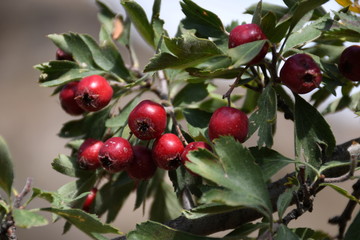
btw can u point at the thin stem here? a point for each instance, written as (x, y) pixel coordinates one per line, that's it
(227, 95)
(342, 220)
(23, 193)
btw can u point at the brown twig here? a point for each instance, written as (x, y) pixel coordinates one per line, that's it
(343, 219)
(227, 95)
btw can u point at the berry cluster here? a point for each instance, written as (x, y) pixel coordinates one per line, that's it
(147, 121)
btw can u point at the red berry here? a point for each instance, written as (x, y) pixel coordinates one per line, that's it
(142, 167)
(300, 73)
(116, 154)
(93, 93)
(147, 120)
(90, 198)
(348, 64)
(88, 155)
(248, 33)
(67, 99)
(62, 55)
(166, 151)
(228, 121)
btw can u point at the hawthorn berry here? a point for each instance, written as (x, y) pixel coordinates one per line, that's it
(62, 55)
(88, 155)
(228, 121)
(67, 99)
(348, 63)
(90, 198)
(246, 33)
(142, 167)
(300, 73)
(93, 93)
(166, 151)
(147, 120)
(116, 154)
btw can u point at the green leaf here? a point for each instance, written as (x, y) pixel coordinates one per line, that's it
(306, 34)
(192, 93)
(182, 180)
(139, 19)
(353, 232)
(341, 191)
(141, 193)
(349, 21)
(244, 230)
(6, 169)
(90, 224)
(313, 133)
(120, 120)
(69, 166)
(256, 19)
(352, 102)
(270, 161)
(197, 121)
(234, 169)
(246, 52)
(56, 73)
(107, 57)
(208, 208)
(264, 118)
(187, 51)
(91, 126)
(164, 199)
(278, 10)
(28, 219)
(108, 198)
(284, 233)
(155, 231)
(72, 43)
(284, 200)
(206, 23)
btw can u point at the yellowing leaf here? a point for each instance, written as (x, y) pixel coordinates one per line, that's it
(354, 5)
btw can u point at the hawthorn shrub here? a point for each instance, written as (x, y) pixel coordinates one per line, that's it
(186, 132)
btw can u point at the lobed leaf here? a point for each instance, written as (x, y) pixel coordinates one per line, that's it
(206, 23)
(235, 170)
(187, 51)
(139, 19)
(28, 219)
(264, 118)
(313, 133)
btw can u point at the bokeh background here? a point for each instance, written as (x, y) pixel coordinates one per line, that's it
(30, 118)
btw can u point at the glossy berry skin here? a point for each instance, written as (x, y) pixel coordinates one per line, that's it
(142, 167)
(93, 93)
(246, 33)
(88, 155)
(62, 55)
(349, 63)
(90, 198)
(147, 120)
(300, 73)
(67, 99)
(166, 151)
(228, 121)
(116, 154)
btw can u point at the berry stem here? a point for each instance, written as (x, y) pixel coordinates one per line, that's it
(227, 95)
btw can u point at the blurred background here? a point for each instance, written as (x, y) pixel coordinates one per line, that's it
(30, 118)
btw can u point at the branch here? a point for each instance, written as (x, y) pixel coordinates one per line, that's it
(342, 220)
